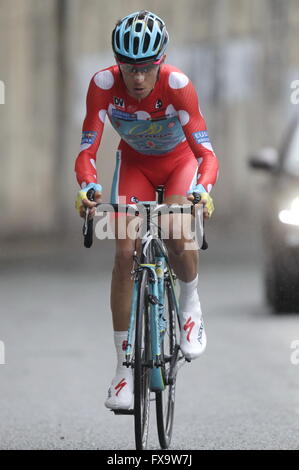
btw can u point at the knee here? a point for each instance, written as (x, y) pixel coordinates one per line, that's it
(176, 247)
(123, 259)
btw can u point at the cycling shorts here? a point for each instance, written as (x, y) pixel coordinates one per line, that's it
(136, 176)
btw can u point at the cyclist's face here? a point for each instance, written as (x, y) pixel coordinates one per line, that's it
(140, 79)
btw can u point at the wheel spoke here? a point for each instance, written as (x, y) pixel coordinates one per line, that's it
(165, 400)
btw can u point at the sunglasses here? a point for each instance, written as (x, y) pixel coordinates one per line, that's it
(142, 68)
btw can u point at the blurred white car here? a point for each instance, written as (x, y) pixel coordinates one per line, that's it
(281, 217)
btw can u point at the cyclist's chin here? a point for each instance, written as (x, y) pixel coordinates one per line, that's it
(139, 93)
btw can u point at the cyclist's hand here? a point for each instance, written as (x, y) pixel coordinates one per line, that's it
(82, 202)
(205, 200)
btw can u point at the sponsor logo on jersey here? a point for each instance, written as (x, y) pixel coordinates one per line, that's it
(146, 129)
(154, 137)
(134, 199)
(123, 115)
(88, 137)
(158, 104)
(201, 136)
(119, 102)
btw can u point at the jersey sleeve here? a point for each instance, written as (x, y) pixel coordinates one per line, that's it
(185, 101)
(92, 131)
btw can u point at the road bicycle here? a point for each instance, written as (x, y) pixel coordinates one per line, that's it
(152, 348)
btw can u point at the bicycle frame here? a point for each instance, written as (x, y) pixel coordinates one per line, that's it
(158, 271)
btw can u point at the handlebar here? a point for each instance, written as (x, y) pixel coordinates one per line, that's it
(135, 210)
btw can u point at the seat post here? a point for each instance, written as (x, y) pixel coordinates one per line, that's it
(160, 192)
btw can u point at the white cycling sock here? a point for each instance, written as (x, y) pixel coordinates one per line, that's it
(119, 338)
(189, 300)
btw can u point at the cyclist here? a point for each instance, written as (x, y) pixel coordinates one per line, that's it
(164, 141)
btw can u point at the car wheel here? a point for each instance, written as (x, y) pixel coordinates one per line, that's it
(282, 284)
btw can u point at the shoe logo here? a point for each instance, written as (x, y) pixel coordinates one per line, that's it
(189, 325)
(125, 345)
(120, 386)
(200, 331)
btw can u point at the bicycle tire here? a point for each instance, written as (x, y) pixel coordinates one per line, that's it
(165, 400)
(141, 368)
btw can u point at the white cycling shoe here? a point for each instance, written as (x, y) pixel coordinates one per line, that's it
(120, 392)
(193, 336)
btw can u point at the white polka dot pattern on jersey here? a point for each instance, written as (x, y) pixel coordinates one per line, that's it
(207, 146)
(104, 80)
(143, 115)
(84, 147)
(184, 117)
(102, 115)
(177, 80)
(170, 111)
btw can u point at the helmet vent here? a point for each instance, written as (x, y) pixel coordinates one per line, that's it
(150, 24)
(157, 41)
(129, 22)
(147, 39)
(138, 27)
(136, 45)
(126, 40)
(117, 39)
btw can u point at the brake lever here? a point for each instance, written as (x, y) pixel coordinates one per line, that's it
(88, 223)
(196, 200)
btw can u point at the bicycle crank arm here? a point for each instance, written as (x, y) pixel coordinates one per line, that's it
(123, 412)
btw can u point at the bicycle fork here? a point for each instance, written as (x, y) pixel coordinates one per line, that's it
(157, 321)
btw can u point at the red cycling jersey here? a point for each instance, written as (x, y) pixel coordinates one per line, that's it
(159, 133)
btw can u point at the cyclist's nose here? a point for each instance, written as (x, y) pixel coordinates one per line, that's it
(139, 77)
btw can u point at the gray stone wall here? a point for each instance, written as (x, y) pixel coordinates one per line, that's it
(241, 54)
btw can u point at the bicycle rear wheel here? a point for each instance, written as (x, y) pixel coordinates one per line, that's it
(141, 366)
(165, 400)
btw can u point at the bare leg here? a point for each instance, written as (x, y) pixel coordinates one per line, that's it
(183, 256)
(183, 253)
(120, 393)
(121, 284)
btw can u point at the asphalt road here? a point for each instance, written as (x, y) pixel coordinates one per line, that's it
(55, 323)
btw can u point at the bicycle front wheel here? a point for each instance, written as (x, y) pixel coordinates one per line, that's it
(141, 366)
(165, 400)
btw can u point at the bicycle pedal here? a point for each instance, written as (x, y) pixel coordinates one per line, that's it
(123, 412)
